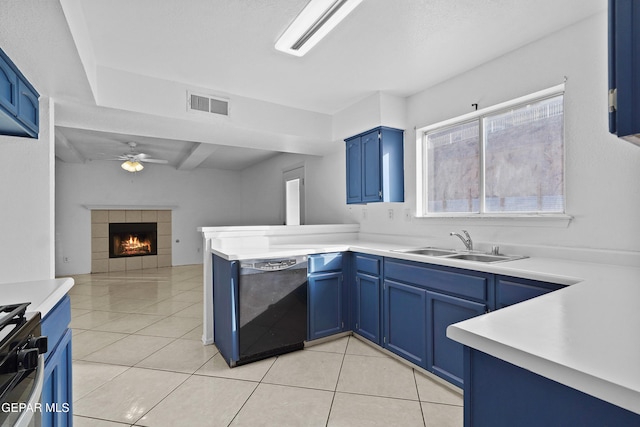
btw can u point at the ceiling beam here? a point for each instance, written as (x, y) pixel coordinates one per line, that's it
(198, 154)
(65, 150)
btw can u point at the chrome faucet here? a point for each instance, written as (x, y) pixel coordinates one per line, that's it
(467, 242)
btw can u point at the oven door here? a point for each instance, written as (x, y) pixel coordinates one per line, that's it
(21, 405)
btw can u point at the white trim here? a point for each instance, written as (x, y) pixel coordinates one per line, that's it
(521, 220)
(555, 90)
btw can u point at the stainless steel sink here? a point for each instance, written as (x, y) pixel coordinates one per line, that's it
(453, 254)
(483, 257)
(428, 251)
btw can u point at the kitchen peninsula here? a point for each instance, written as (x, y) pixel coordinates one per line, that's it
(556, 336)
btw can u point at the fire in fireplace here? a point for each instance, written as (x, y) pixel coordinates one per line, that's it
(133, 239)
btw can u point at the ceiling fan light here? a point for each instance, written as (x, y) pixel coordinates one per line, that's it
(130, 166)
(315, 21)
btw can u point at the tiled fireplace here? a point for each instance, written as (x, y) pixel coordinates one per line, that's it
(142, 239)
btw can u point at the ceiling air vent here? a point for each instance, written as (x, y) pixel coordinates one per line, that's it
(207, 104)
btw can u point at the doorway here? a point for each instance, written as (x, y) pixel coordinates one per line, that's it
(294, 196)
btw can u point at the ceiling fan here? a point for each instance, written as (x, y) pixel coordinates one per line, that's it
(133, 160)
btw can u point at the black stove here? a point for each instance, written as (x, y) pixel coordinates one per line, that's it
(21, 345)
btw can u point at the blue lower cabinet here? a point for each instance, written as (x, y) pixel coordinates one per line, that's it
(225, 313)
(405, 321)
(325, 304)
(327, 296)
(499, 394)
(445, 356)
(512, 290)
(367, 307)
(56, 391)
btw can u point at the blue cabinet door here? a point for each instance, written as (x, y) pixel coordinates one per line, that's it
(367, 307)
(325, 304)
(371, 178)
(8, 87)
(624, 68)
(56, 391)
(28, 108)
(354, 170)
(445, 357)
(405, 321)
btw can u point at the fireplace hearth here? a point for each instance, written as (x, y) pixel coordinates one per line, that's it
(133, 239)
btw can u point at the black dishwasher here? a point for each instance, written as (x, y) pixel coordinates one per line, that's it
(272, 300)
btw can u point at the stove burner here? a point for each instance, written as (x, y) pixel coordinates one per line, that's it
(13, 316)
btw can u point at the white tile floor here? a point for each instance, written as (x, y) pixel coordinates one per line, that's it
(138, 360)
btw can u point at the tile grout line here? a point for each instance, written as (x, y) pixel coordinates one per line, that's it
(252, 392)
(333, 398)
(415, 381)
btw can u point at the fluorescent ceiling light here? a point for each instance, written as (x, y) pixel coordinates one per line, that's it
(315, 21)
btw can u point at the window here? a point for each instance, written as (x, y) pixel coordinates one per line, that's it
(506, 159)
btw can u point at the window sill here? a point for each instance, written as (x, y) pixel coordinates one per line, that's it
(520, 220)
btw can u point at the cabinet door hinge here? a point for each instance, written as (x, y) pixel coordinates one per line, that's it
(356, 326)
(342, 325)
(613, 100)
(380, 194)
(384, 340)
(379, 135)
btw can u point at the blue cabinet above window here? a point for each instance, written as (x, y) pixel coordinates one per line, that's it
(375, 166)
(624, 69)
(19, 109)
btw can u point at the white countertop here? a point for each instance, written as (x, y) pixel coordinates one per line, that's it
(584, 336)
(42, 294)
(545, 269)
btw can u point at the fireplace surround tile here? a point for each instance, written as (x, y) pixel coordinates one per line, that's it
(151, 216)
(164, 242)
(150, 261)
(164, 261)
(100, 219)
(164, 228)
(99, 216)
(134, 263)
(100, 230)
(133, 216)
(117, 264)
(117, 216)
(164, 216)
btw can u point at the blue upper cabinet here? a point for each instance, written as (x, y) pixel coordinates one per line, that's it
(624, 69)
(19, 110)
(375, 166)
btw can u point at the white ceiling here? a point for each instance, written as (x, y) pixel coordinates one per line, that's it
(397, 47)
